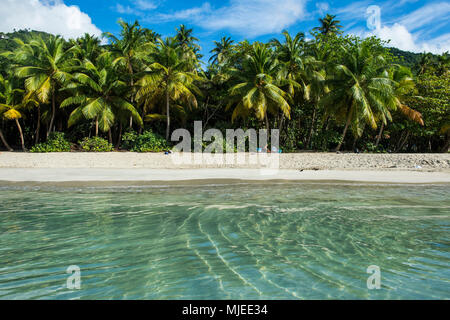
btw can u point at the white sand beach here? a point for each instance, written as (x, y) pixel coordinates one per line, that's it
(153, 167)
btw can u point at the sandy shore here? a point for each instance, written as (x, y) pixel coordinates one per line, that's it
(129, 167)
(79, 176)
(305, 161)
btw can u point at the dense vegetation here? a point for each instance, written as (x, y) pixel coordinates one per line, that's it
(332, 92)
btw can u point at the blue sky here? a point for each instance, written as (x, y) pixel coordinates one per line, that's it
(410, 24)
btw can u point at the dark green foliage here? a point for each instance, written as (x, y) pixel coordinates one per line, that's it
(96, 144)
(56, 143)
(145, 142)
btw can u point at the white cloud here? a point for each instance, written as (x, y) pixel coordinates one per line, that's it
(145, 4)
(322, 8)
(427, 15)
(400, 37)
(137, 7)
(246, 17)
(45, 15)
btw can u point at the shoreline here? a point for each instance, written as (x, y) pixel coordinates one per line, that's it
(107, 176)
(153, 168)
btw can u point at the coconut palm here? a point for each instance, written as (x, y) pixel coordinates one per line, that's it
(258, 86)
(12, 106)
(45, 65)
(98, 92)
(222, 50)
(402, 80)
(129, 50)
(87, 47)
(168, 77)
(185, 39)
(360, 90)
(329, 25)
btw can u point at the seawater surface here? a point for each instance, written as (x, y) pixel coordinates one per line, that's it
(226, 241)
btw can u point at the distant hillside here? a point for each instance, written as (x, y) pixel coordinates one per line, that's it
(409, 59)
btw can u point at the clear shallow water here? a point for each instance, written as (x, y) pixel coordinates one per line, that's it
(249, 241)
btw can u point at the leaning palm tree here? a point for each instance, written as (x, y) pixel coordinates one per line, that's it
(3, 95)
(98, 92)
(258, 86)
(45, 65)
(360, 90)
(222, 50)
(168, 76)
(12, 106)
(329, 25)
(402, 80)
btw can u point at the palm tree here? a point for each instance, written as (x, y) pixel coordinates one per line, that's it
(129, 50)
(402, 80)
(425, 63)
(185, 38)
(169, 77)
(87, 47)
(12, 106)
(98, 92)
(258, 86)
(360, 90)
(222, 50)
(291, 54)
(45, 65)
(3, 89)
(328, 25)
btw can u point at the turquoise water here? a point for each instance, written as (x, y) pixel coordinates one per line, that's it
(233, 241)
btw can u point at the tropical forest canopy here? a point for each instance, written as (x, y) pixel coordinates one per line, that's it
(326, 92)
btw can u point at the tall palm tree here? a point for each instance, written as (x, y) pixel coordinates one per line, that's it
(45, 65)
(98, 92)
(329, 25)
(12, 106)
(291, 54)
(360, 90)
(168, 76)
(185, 38)
(258, 86)
(129, 50)
(222, 50)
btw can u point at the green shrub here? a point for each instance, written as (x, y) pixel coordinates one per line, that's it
(145, 142)
(56, 142)
(96, 144)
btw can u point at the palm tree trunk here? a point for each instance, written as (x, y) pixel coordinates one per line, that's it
(130, 70)
(119, 138)
(167, 114)
(38, 127)
(267, 123)
(21, 135)
(446, 145)
(281, 123)
(379, 134)
(308, 141)
(50, 127)
(109, 136)
(4, 141)
(347, 124)
(96, 126)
